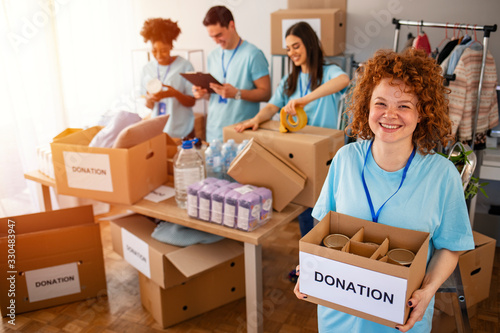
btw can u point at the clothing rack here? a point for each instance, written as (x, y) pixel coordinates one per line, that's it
(487, 30)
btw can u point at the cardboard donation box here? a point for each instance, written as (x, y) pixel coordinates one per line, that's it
(259, 166)
(122, 176)
(50, 259)
(476, 268)
(309, 150)
(328, 23)
(360, 278)
(179, 283)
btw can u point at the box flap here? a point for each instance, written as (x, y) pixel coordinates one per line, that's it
(66, 132)
(49, 220)
(480, 239)
(198, 258)
(80, 137)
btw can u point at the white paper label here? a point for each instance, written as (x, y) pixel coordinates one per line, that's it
(192, 205)
(88, 171)
(315, 24)
(216, 212)
(161, 193)
(136, 252)
(357, 288)
(52, 282)
(243, 217)
(229, 215)
(204, 209)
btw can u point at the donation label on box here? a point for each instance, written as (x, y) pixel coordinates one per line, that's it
(88, 171)
(358, 288)
(136, 252)
(52, 282)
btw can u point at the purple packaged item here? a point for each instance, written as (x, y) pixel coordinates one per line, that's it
(231, 205)
(218, 196)
(210, 180)
(222, 182)
(205, 201)
(266, 210)
(192, 198)
(249, 207)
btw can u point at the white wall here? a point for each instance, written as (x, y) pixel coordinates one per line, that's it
(369, 22)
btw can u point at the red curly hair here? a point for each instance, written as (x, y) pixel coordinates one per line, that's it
(422, 76)
(158, 29)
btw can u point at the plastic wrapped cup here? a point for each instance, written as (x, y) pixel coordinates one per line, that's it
(154, 86)
(402, 257)
(335, 241)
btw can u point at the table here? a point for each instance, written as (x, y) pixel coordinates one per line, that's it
(167, 210)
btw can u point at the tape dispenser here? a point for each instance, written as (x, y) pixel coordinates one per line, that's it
(288, 123)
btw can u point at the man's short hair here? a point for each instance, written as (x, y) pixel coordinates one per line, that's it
(218, 14)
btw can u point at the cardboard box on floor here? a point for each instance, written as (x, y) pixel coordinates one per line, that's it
(122, 176)
(476, 269)
(259, 166)
(328, 23)
(56, 258)
(310, 150)
(167, 265)
(207, 291)
(358, 280)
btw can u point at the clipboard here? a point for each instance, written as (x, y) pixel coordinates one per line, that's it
(201, 79)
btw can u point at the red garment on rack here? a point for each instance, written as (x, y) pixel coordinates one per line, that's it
(421, 42)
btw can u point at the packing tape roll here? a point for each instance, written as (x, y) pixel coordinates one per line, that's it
(288, 124)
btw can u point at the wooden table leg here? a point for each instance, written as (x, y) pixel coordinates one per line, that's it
(254, 290)
(44, 198)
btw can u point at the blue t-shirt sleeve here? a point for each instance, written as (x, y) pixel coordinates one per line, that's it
(259, 65)
(279, 98)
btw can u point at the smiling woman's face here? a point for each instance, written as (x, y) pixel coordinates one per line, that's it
(296, 51)
(393, 112)
(161, 52)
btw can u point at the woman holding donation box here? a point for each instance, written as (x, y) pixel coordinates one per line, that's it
(394, 177)
(312, 84)
(167, 93)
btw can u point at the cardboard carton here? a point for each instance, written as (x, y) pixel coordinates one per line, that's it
(476, 268)
(207, 291)
(121, 176)
(260, 166)
(54, 258)
(328, 23)
(310, 150)
(361, 284)
(167, 265)
(304, 4)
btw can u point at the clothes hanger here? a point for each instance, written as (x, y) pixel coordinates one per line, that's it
(475, 38)
(445, 37)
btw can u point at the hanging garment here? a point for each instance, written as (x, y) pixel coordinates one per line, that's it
(463, 96)
(445, 52)
(421, 42)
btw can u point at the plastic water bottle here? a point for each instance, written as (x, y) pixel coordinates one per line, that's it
(241, 146)
(228, 153)
(213, 160)
(188, 169)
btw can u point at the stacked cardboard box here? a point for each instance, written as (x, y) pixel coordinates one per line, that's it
(50, 259)
(179, 283)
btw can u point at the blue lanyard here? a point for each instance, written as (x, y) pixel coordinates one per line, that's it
(372, 210)
(224, 70)
(165, 75)
(307, 87)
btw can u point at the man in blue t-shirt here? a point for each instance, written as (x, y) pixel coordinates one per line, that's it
(242, 70)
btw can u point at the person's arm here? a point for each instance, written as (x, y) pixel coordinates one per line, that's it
(264, 114)
(184, 99)
(442, 264)
(328, 88)
(199, 92)
(261, 92)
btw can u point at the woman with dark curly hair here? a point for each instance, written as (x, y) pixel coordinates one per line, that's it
(395, 178)
(166, 91)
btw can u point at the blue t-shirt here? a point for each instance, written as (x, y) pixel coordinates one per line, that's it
(247, 65)
(322, 112)
(181, 119)
(431, 199)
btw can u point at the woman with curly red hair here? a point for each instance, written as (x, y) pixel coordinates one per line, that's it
(175, 97)
(394, 177)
